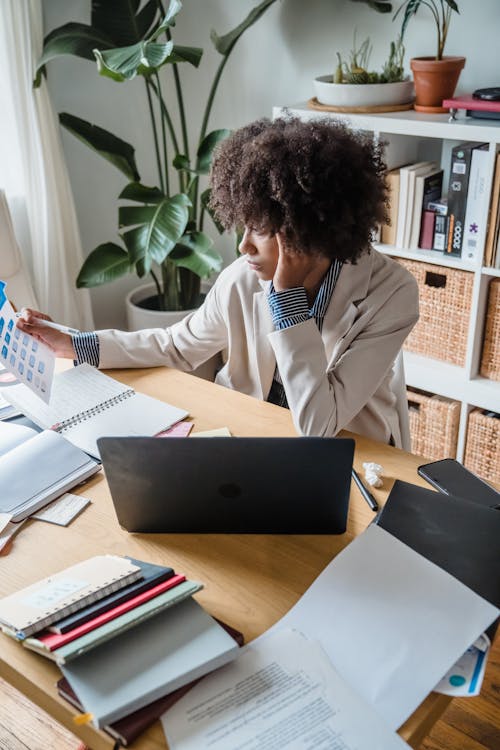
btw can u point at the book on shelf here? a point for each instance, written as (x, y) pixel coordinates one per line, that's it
(127, 729)
(85, 404)
(493, 216)
(388, 231)
(166, 652)
(407, 177)
(475, 218)
(34, 607)
(440, 233)
(151, 574)
(426, 238)
(63, 648)
(428, 187)
(37, 467)
(461, 157)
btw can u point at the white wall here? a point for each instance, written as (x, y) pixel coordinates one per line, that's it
(273, 63)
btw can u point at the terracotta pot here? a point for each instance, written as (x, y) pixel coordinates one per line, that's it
(435, 80)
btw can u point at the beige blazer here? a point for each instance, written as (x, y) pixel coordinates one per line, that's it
(336, 379)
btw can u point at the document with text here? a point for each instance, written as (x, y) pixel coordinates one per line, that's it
(280, 692)
(391, 622)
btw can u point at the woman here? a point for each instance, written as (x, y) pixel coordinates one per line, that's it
(310, 316)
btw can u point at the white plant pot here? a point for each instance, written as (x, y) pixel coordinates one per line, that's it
(362, 94)
(140, 317)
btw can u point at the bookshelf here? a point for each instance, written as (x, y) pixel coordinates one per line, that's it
(411, 136)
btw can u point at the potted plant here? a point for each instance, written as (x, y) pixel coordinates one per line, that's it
(161, 226)
(353, 84)
(435, 77)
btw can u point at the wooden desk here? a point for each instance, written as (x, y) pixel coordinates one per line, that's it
(250, 580)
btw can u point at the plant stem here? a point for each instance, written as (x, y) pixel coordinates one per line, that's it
(170, 287)
(157, 284)
(155, 135)
(163, 136)
(203, 131)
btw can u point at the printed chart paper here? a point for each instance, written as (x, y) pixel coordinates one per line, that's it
(281, 692)
(28, 359)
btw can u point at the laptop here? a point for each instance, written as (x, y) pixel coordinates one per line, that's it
(221, 485)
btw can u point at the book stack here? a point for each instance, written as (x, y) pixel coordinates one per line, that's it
(125, 634)
(410, 190)
(456, 223)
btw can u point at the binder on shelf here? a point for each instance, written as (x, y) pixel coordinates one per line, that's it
(460, 168)
(475, 219)
(86, 404)
(36, 606)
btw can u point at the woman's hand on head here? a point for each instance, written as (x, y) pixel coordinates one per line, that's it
(294, 268)
(60, 343)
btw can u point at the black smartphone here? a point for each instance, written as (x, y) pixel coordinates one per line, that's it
(450, 477)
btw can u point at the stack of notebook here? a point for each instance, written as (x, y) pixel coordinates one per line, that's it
(125, 633)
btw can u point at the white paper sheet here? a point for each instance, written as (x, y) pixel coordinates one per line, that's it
(281, 692)
(63, 510)
(391, 622)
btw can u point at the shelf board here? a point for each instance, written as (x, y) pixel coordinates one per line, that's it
(428, 256)
(487, 271)
(450, 381)
(409, 123)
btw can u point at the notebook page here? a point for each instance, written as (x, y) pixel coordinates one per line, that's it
(73, 391)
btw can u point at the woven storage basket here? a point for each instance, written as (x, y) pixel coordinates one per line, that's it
(490, 359)
(433, 425)
(482, 448)
(445, 296)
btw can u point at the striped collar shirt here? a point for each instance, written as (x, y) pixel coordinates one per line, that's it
(290, 307)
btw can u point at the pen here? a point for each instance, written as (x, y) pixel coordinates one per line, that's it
(55, 326)
(367, 495)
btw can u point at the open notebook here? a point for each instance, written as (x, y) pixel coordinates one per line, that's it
(85, 404)
(37, 467)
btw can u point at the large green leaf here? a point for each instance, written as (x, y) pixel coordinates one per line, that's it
(224, 44)
(134, 191)
(121, 20)
(130, 215)
(106, 263)
(135, 241)
(206, 149)
(71, 39)
(113, 149)
(195, 251)
(124, 63)
(191, 55)
(169, 20)
(161, 230)
(381, 6)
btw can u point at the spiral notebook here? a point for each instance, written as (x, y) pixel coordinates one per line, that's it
(35, 607)
(85, 404)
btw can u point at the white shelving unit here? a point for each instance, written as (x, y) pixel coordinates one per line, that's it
(411, 136)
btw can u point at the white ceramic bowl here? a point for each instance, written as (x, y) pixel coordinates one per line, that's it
(362, 94)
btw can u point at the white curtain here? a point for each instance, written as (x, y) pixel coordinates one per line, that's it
(32, 165)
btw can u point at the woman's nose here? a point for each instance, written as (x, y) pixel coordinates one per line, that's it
(246, 246)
